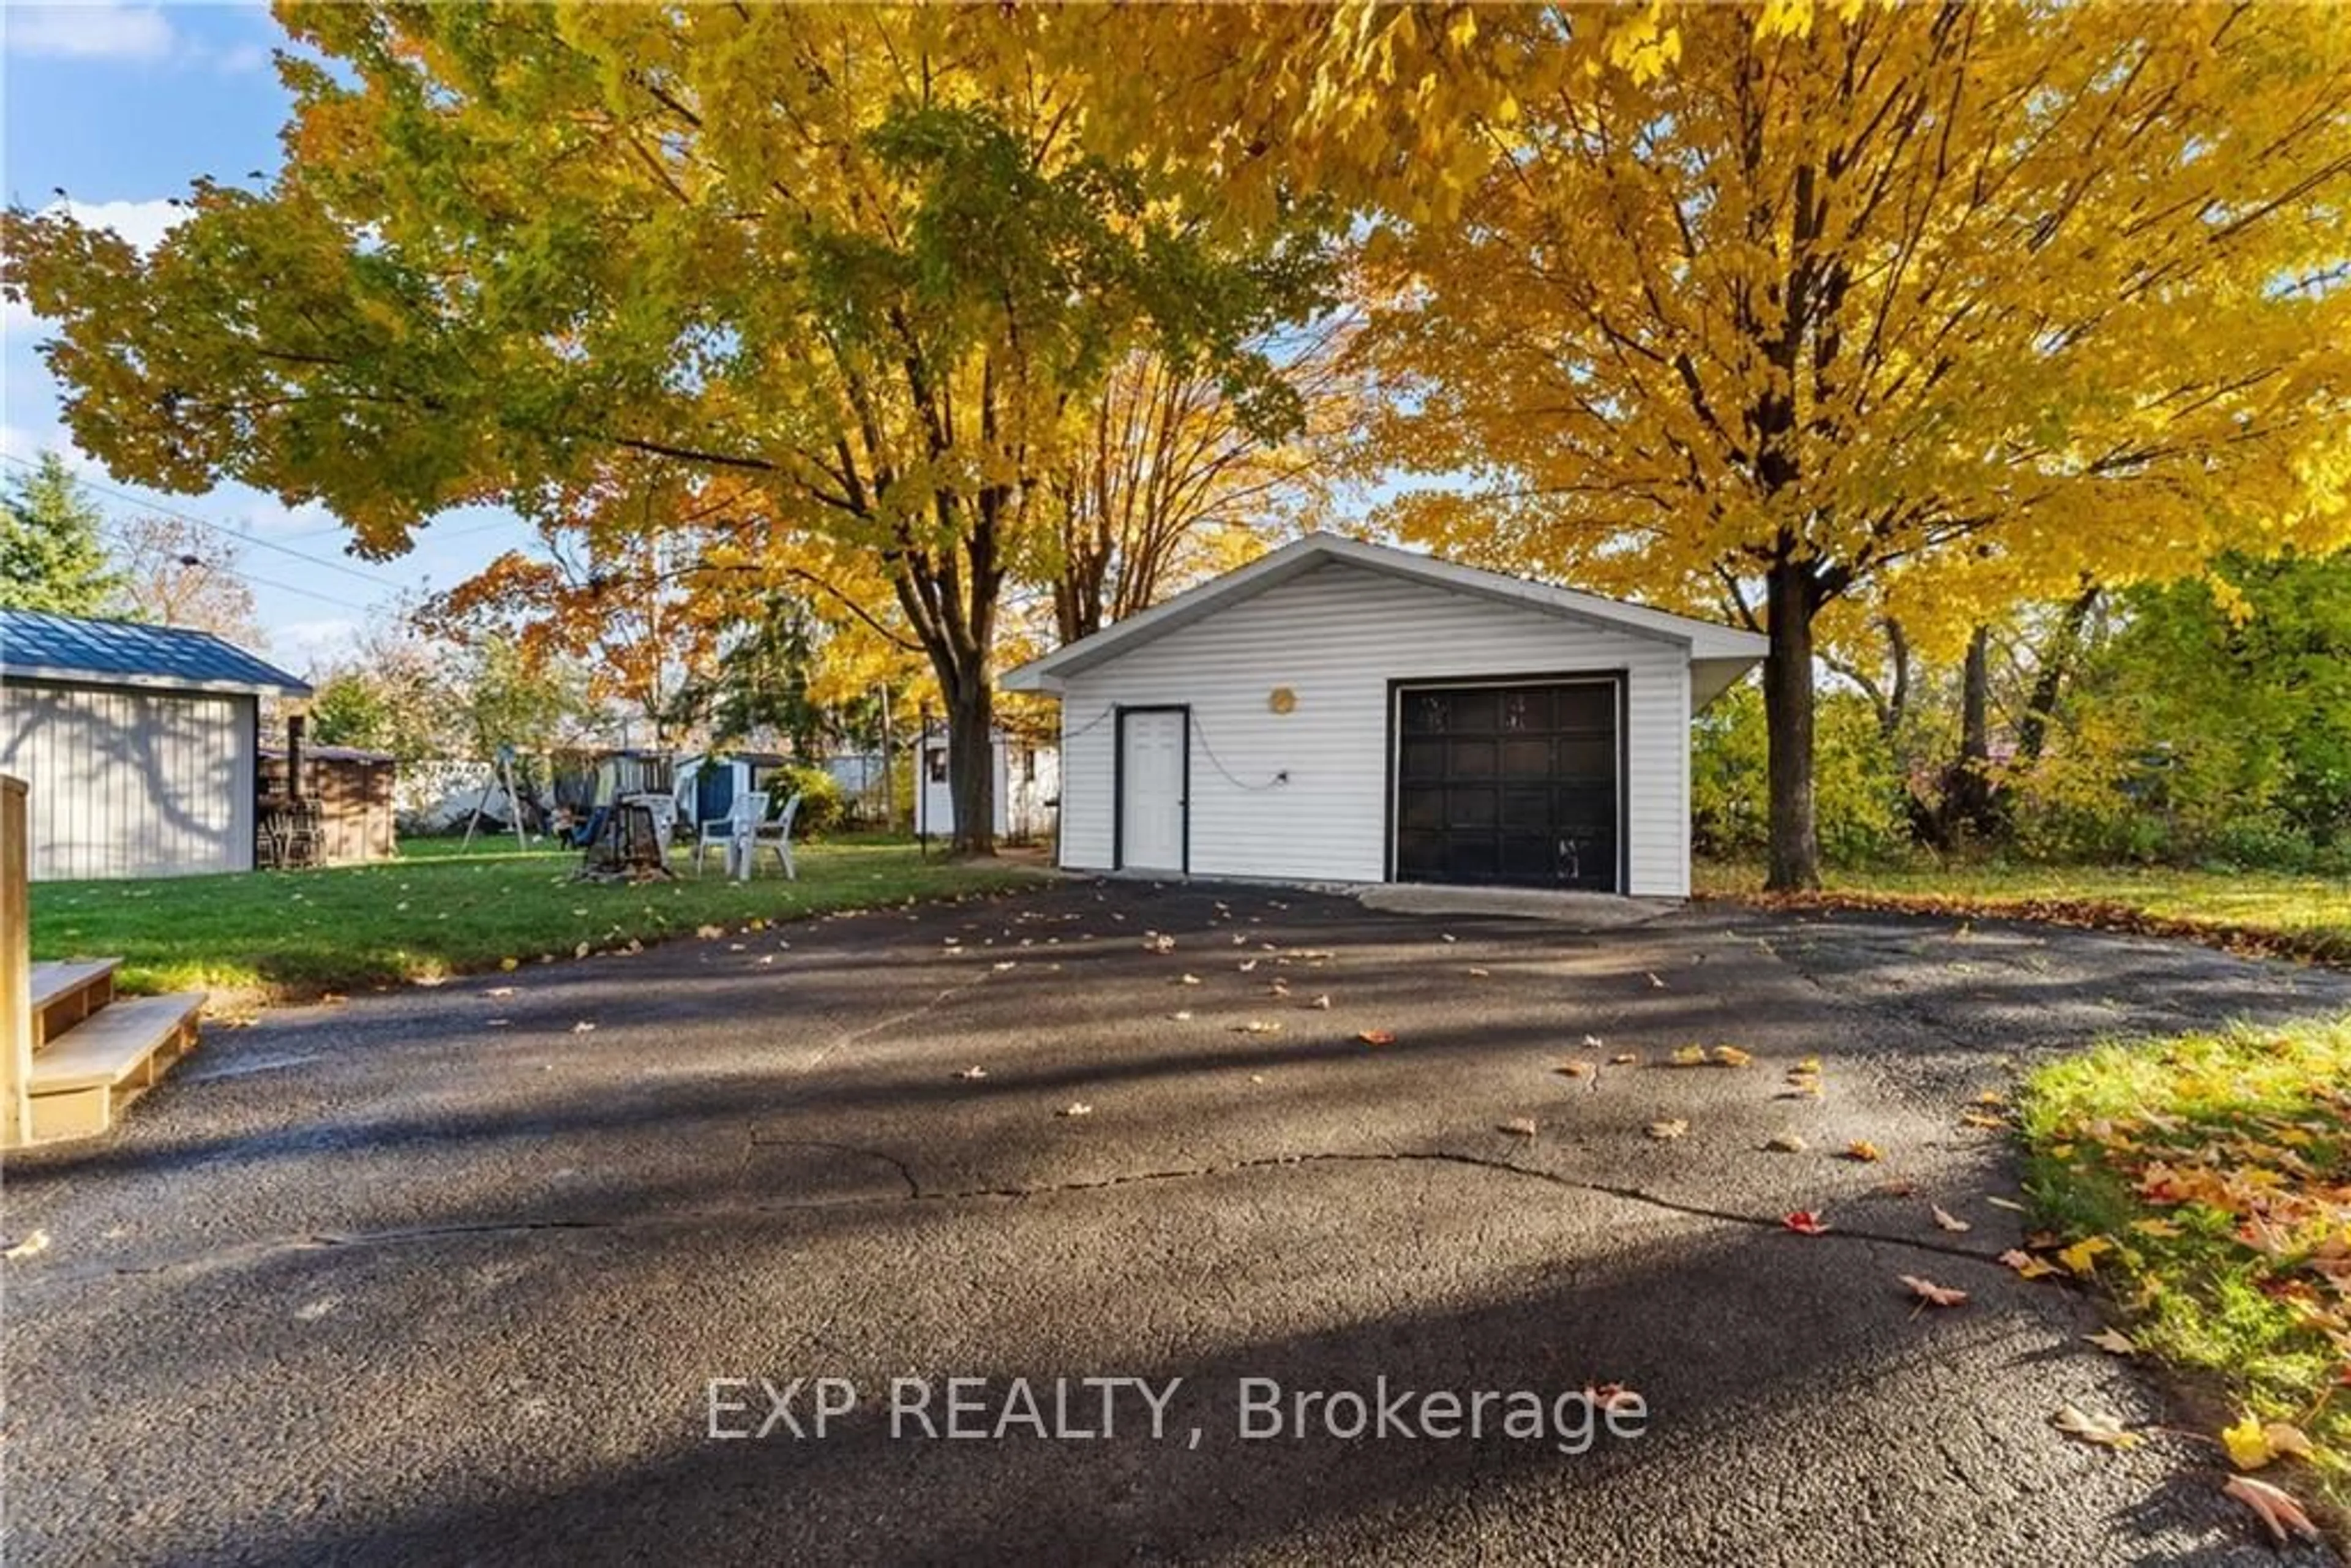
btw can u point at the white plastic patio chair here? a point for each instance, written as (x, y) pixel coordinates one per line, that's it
(734, 828)
(777, 836)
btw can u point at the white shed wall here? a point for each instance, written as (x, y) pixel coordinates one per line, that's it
(1336, 636)
(131, 782)
(1024, 807)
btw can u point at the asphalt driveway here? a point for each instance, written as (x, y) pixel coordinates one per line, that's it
(447, 1275)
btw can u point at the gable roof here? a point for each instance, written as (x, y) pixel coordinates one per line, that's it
(1705, 640)
(37, 645)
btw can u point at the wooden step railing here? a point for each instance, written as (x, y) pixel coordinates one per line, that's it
(15, 970)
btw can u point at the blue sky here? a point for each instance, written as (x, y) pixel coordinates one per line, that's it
(121, 105)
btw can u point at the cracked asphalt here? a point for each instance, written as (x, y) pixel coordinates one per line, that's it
(445, 1275)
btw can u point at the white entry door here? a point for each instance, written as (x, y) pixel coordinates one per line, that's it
(1151, 761)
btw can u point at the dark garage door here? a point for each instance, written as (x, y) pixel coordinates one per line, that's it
(1514, 784)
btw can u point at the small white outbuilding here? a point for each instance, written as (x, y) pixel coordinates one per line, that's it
(140, 744)
(1342, 712)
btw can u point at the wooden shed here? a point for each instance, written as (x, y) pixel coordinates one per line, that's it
(353, 792)
(139, 744)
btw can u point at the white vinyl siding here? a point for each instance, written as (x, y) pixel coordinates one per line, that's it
(1337, 636)
(127, 781)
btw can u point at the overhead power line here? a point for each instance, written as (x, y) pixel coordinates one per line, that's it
(110, 531)
(141, 502)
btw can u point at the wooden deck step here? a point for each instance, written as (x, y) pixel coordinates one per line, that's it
(84, 1078)
(65, 994)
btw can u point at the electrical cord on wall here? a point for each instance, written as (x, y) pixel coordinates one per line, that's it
(1201, 735)
(1276, 782)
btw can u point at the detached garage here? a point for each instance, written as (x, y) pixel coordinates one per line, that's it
(140, 744)
(1340, 712)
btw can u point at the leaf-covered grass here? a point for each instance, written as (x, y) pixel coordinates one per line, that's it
(2219, 1167)
(2306, 916)
(440, 910)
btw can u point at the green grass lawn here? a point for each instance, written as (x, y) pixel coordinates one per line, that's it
(2308, 916)
(2218, 1170)
(437, 910)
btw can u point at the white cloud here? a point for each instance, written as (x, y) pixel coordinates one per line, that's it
(266, 515)
(23, 444)
(92, 30)
(311, 644)
(143, 223)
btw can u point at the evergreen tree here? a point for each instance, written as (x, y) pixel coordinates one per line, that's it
(50, 554)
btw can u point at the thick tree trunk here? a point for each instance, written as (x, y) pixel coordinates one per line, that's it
(1791, 599)
(971, 760)
(1967, 789)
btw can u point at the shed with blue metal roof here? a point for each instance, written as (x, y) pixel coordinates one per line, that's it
(138, 743)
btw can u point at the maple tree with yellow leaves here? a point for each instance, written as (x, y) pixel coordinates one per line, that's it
(855, 259)
(1951, 304)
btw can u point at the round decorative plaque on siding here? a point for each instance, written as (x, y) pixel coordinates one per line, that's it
(1281, 699)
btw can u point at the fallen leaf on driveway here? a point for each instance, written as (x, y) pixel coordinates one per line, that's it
(2026, 1264)
(709, 933)
(1730, 1056)
(2252, 1444)
(1256, 1026)
(1447, 937)
(2114, 1341)
(499, 991)
(1946, 1220)
(1185, 980)
(1181, 1015)
(2275, 1508)
(1377, 1037)
(1931, 1294)
(1157, 943)
(1805, 1222)
(1478, 974)
(1785, 1143)
(1690, 1056)
(1246, 965)
(1076, 1108)
(973, 1073)
(1622, 1059)
(1981, 1119)
(1861, 1149)
(2082, 1257)
(1321, 1003)
(1659, 984)
(1608, 1396)
(583, 1027)
(1518, 1127)
(2104, 1430)
(2007, 1203)
(1575, 1069)
(1673, 1129)
(35, 1242)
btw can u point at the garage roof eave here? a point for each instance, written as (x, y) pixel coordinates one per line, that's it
(1702, 639)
